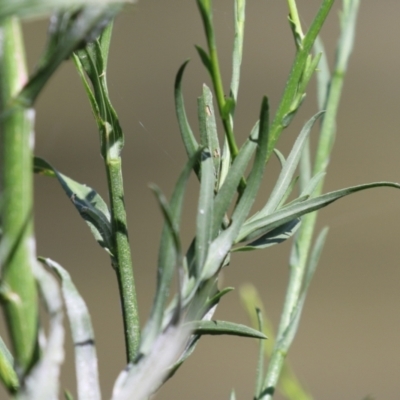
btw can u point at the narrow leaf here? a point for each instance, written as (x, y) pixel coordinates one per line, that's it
(208, 127)
(42, 8)
(82, 336)
(141, 380)
(224, 328)
(275, 236)
(7, 373)
(260, 363)
(228, 190)
(240, 6)
(288, 170)
(42, 383)
(286, 214)
(205, 59)
(166, 258)
(69, 29)
(188, 138)
(222, 244)
(87, 201)
(205, 210)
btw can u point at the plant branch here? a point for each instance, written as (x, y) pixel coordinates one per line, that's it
(18, 287)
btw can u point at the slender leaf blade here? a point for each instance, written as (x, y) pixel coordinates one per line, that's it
(91, 207)
(187, 135)
(42, 383)
(296, 210)
(222, 244)
(224, 328)
(82, 336)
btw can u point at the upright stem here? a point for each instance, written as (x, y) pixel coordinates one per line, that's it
(18, 287)
(124, 269)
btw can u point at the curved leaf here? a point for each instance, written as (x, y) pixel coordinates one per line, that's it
(82, 336)
(188, 138)
(227, 192)
(224, 328)
(208, 127)
(7, 373)
(275, 236)
(296, 210)
(288, 170)
(205, 210)
(42, 382)
(166, 258)
(87, 201)
(220, 247)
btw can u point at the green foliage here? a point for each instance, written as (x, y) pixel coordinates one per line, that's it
(224, 223)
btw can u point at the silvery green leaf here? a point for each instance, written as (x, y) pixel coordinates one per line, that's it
(141, 380)
(7, 372)
(86, 369)
(167, 258)
(224, 328)
(296, 210)
(227, 191)
(275, 236)
(42, 382)
(220, 247)
(87, 201)
(188, 138)
(288, 170)
(42, 8)
(205, 210)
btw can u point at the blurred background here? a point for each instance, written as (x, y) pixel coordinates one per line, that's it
(347, 345)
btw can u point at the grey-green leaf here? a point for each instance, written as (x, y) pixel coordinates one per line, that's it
(188, 138)
(296, 210)
(220, 247)
(288, 170)
(7, 373)
(88, 387)
(42, 383)
(87, 201)
(224, 328)
(275, 236)
(167, 258)
(228, 190)
(205, 210)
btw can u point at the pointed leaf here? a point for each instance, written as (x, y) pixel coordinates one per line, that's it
(290, 212)
(205, 210)
(276, 236)
(7, 373)
(208, 127)
(68, 31)
(42, 8)
(166, 258)
(42, 382)
(141, 380)
(222, 244)
(87, 201)
(224, 328)
(260, 363)
(288, 170)
(228, 190)
(188, 138)
(205, 59)
(82, 335)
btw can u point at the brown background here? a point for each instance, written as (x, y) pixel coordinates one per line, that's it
(347, 346)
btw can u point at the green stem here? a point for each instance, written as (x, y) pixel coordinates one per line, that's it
(18, 287)
(206, 13)
(124, 260)
(295, 75)
(294, 15)
(305, 234)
